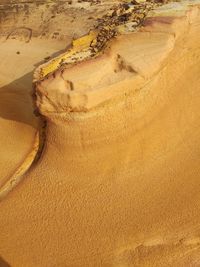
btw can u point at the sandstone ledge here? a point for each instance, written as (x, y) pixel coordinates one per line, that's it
(127, 64)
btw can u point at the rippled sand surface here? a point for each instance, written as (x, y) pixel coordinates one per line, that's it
(117, 183)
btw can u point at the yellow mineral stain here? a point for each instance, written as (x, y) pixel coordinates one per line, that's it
(82, 43)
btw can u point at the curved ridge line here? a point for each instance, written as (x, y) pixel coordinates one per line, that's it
(17, 177)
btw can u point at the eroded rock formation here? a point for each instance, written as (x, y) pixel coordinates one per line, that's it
(117, 183)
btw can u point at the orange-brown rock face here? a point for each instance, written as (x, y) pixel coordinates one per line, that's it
(118, 180)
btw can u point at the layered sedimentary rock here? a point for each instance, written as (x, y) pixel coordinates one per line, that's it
(31, 33)
(117, 183)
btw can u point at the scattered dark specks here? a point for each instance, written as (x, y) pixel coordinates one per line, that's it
(18, 53)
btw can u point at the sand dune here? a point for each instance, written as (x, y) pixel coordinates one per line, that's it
(28, 37)
(117, 183)
(18, 123)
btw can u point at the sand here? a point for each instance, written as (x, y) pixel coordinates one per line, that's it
(30, 34)
(117, 183)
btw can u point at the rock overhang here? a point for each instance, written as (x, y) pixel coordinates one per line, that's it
(79, 85)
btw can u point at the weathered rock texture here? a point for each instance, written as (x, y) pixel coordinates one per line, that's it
(30, 34)
(118, 181)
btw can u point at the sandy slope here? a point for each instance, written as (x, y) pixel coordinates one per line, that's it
(18, 125)
(118, 180)
(30, 34)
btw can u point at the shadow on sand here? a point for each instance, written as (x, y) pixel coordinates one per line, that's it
(3, 263)
(16, 102)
